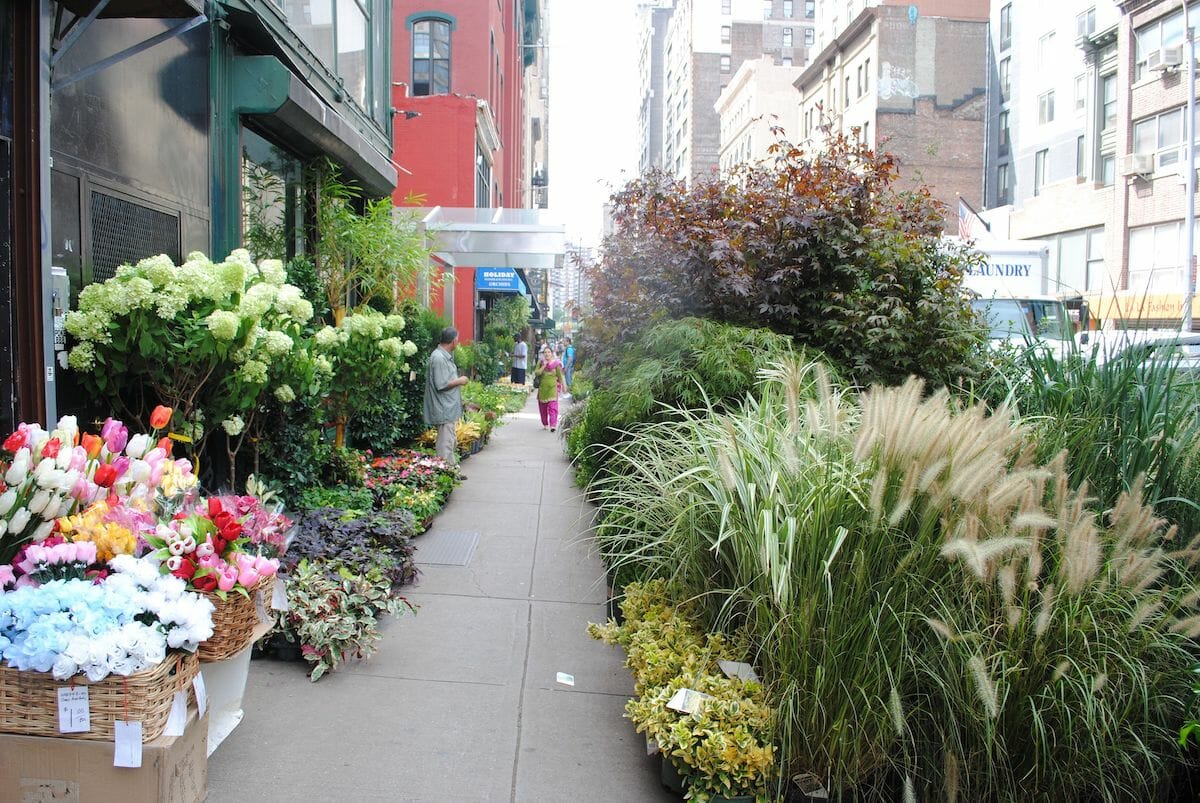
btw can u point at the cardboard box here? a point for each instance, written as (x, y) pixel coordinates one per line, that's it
(42, 769)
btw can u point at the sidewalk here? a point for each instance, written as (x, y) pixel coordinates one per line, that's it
(461, 701)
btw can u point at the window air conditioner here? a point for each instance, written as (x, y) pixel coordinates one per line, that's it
(1138, 164)
(1165, 59)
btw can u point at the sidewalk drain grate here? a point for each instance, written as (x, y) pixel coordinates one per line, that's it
(446, 548)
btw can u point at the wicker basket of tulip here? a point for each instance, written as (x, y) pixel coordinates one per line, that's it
(204, 546)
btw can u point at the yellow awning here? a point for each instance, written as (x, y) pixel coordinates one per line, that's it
(1131, 306)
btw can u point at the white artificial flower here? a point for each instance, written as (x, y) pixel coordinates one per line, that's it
(19, 520)
(38, 503)
(7, 500)
(138, 445)
(18, 470)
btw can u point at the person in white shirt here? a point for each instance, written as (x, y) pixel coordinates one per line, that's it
(520, 360)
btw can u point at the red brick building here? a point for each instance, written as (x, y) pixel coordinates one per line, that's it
(459, 116)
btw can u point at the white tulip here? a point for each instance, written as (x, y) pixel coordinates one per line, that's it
(38, 503)
(16, 524)
(42, 531)
(138, 445)
(7, 500)
(19, 470)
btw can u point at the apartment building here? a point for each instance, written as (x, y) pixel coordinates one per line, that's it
(1149, 211)
(1052, 133)
(759, 97)
(904, 79)
(652, 34)
(702, 45)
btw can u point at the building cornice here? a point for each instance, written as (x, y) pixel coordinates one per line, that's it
(840, 43)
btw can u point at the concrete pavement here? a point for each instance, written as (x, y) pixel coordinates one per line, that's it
(462, 701)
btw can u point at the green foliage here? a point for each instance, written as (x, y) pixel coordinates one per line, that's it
(931, 607)
(337, 618)
(687, 363)
(302, 273)
(292, 452)
(822, 247)
(498, 399)
(264, 233)
(357, 500)
(1133, 415)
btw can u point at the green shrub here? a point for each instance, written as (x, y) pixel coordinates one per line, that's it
(933, 608)
(359, 500)
(688, 363)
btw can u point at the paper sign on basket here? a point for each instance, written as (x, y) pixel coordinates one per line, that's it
(737, 669)
(688, 701)
(177, 719)
(260, 608)
(129, 744)
(74, 714)
(201, 692)
(279, 595)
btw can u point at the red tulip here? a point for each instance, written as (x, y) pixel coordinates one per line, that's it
(186, 570)
(50, 449)
(160, 417)
(214, 507)
(166, 445)
(14, 442)
(106, 474)
(206, 582)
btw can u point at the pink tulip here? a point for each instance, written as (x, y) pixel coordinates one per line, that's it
(86, 551)
(266, 566)
(228, 578)
(115, 435)
(6, 576)
(206, 549)
(210, 561)
(120, 466)
(79, 458)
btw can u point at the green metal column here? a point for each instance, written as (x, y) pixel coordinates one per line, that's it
(239, 85)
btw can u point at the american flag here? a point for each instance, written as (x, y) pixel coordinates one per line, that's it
(970, 225)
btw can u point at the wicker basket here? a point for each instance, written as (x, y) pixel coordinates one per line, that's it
(234, 620)
(29, 700)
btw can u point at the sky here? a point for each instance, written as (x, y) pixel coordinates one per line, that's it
(592, 125)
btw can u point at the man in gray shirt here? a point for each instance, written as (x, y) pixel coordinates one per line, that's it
(443, 400)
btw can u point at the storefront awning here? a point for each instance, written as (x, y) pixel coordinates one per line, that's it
(1134, 306)
(496, 238)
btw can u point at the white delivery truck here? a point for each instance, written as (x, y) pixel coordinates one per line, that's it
(1009, 290)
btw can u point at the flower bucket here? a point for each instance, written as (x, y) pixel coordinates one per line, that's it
(669, 775)
(234, 620)
(29, 700)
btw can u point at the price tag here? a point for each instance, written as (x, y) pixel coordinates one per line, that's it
(279, 600)
(129, 744)
(652, 748)
(738, 669)
(201, 692)
(74, 714)
(687, 701)
(260, 608)
(565, 679)
(177, 719)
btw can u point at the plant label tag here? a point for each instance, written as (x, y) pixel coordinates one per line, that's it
(201, 693)
(129, 744)
(412, 376)
(565, 679)
(811, 785)
(74, 713)
(652, 748)
(260, 608)
(687, 701)
(739, 670)
(177, 719)
(279, 595)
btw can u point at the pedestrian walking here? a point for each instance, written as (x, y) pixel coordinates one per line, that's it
(548, 377)
(520, 360)
(569, 362)
(443, 399)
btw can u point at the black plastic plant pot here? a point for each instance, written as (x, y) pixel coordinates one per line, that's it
(670, 777)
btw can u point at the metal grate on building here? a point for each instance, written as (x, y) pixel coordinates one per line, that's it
(124, 232)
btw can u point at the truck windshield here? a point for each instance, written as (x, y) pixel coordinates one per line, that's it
(1009, 318)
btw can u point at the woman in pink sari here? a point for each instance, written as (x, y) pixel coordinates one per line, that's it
(548, 376)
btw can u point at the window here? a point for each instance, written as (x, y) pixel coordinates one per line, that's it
(808, 37)
(1003, 184)
(787, 37)
(1005, 141)
(858, 80)
(1080, 92)
(483, 179)
(1085, 23)
(724, 63)
(1046, 107)
(768, 7)
(810, 9)
(726, 33)
(725, 6)
(867, 133)
(786, 61)
(431, 57)
(846, 96)
(1080, 157)
(1164, 32)
(1108, 98)
(1094, 270)
(1005, 79)
(867, 75)
(1108, 170)
(1039, 171)
(1005, 26)
(1045, 55)
(1160, 135)
(1156, 257)
(787, 8)
(340, 34)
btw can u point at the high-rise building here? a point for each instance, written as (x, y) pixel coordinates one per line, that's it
(1052, 133)
(686, 66)
(909, 79)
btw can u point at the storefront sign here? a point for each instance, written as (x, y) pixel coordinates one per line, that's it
(498, 280)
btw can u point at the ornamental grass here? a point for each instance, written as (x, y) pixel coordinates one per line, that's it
(937, 613)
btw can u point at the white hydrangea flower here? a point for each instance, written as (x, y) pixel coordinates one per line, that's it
(277, 343)
(285, 394)
(233, 425)
(272, 271)
(326, 337)
(223, 324)
(254, 372)
(410, 348)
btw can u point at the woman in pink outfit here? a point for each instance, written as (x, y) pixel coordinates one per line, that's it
(548, 376)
